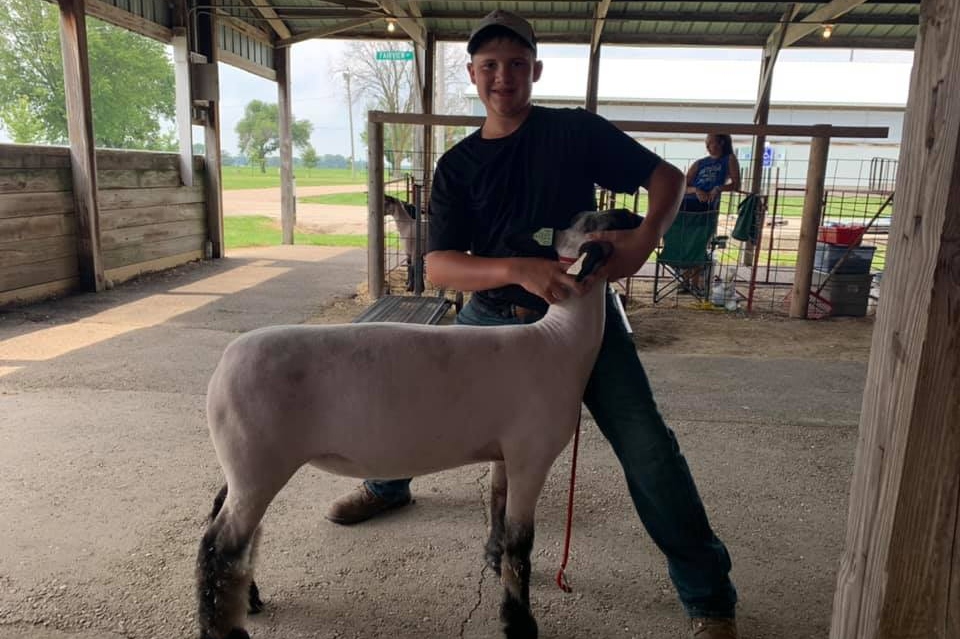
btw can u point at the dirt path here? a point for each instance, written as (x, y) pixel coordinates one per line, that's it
(318, 218)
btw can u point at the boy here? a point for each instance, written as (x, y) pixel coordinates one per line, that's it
(531, 168)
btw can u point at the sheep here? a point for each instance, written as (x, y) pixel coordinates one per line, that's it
(405, 217)
(336, 397)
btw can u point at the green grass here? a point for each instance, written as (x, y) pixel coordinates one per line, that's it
(247, 177)
(341, 199)
(259, 230)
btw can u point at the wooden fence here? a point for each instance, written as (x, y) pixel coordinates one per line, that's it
(148, 220)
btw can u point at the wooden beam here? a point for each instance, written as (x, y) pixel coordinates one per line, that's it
(815, 19)
(593, 68)
(761, 112)
(264, 8)
(245, 64)
(411, 26)
(288, 203)
(183, 101)
(900, 572)
(83, 161)
(327, 32)
(207, 38)
(375, 238)
(427, 107)
(658, 126)
(244, 28)
(809, 225)
(109, 13)
(599, 20)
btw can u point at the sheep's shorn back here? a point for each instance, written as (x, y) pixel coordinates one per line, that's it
(338, 397)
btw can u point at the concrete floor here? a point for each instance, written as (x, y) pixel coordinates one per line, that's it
(107, 473)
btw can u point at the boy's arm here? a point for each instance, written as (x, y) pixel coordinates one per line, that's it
(547, 279)
(665, 189)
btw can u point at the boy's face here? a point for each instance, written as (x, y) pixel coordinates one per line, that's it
(504, 72)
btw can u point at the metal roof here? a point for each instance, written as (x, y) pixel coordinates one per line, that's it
(881, 24)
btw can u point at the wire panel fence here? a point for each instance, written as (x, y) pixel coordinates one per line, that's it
(761, 274)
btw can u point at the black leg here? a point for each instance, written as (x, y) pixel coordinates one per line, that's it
(518, 622)
(255, 604)
(493, 551)
(223, 580)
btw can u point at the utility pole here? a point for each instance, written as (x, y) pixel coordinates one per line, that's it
(346, 77)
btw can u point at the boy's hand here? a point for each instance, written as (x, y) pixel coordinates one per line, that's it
(548, 279)
(631, 248)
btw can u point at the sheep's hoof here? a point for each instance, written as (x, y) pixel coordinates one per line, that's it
(255, 604)
(492, 556)
(518, 623)
(236, 633)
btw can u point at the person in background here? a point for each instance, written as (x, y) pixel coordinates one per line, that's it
(532, 169)
(709, 177)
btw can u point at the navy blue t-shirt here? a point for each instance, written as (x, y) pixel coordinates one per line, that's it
(540, 176)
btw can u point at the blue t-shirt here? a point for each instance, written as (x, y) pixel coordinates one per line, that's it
(711, 173)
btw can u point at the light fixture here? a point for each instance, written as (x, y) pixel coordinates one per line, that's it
(391, 25)
(827, 31)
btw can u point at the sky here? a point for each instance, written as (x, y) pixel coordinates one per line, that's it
(807, 75)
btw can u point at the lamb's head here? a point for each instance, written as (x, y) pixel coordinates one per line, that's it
(572, 242)
(398, 208)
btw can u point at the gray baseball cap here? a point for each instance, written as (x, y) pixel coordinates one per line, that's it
(506, 20)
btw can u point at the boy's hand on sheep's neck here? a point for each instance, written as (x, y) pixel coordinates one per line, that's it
(548, 279)
(631, 248)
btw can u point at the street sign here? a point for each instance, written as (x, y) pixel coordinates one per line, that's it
(394, 55)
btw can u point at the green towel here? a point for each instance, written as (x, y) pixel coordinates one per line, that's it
(748, 213)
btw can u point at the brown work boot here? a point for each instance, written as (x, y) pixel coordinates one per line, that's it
(713, 628)
(360, 505)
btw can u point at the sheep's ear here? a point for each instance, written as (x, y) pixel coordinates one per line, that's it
(523, 244)
(595, 254)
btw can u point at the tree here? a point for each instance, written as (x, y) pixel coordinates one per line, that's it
(131, 81)
(20, 122)
(384, 85)
(390, 85)
(309, 158)
(259, 132)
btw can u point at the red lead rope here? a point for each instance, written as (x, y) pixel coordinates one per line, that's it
(561, 576)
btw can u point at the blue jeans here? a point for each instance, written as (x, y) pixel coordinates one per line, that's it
(621, 401)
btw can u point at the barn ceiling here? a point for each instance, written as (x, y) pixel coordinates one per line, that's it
(881, 24)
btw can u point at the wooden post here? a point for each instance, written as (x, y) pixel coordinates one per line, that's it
(288, 203)
(900, 572)
(83, 161)
(760, 116)
(429, 73)
(809, 225)
(183, 97)
(591, 103)
(375, 239)
(206, 22)
(593, 80)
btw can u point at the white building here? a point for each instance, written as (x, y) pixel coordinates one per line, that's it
(845, 88)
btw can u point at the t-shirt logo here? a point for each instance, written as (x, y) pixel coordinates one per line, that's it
(544, 237)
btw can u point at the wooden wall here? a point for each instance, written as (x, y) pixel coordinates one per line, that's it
(148, 220)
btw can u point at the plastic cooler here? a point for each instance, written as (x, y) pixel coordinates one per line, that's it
(848, 294)
(857, 262)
